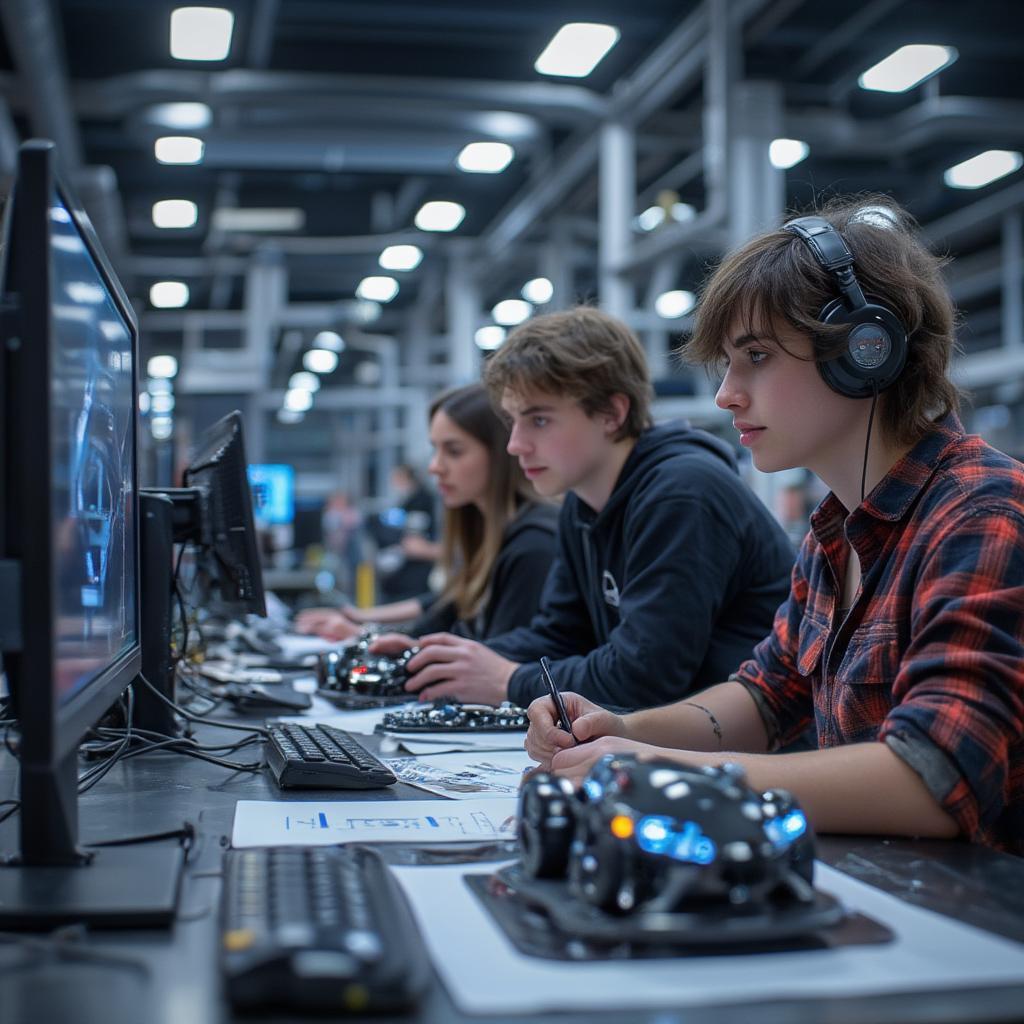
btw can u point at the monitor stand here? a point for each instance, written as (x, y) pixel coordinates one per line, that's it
(121, 887)
(55, 883)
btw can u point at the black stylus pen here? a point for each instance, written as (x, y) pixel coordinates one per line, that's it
(563, 718)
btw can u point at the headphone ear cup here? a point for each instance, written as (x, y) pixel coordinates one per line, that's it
(876, 350)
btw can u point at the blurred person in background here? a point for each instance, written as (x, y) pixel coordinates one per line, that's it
(498, 539)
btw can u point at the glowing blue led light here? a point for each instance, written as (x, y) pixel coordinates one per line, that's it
(783, 831)
(656, 834)
(593, 789)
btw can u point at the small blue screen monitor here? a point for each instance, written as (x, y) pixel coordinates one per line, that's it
(273, 493)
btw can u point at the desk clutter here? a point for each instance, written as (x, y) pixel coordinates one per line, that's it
(652, 885)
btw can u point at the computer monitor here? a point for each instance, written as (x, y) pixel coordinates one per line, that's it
(273, 492)
(227, 529)
(69, 554)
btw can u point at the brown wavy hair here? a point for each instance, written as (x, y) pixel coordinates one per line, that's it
(775, 278)
(581, 352)
(471, 539)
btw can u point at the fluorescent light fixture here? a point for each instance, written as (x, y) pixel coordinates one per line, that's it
(650, 218)
(682, 212)
(304, 381)
(320, 360)
(162, 367)
(161, 404)
(538, 291)
(290, 416)
(201, 33)
(180, 116)
(440, 215)
(144, 402)
(298, 399)
(401, 257)
(259, 218)
(906, 67)
(175, 213)
(179, 149)
(485, 157)
(159, 386)
(377, 289)
(162, 427)
(786, 153)
(510, 312)
(168, 294)
(489, 338)
(671, 305)
(983, 169)
(576, 49)
(332, 341)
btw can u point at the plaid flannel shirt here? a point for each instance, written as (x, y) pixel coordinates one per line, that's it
(930, 657)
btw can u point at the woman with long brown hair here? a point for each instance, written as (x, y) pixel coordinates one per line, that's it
(498, 538)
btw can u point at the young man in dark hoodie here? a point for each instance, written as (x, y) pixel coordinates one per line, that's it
(668, 568)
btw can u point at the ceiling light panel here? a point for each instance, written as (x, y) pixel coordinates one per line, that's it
(576, 49)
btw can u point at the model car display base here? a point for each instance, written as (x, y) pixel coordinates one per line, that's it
(541, 918)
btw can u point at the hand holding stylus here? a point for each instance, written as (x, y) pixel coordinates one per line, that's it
(547, 735)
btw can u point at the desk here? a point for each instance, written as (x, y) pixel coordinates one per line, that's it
(172, 977)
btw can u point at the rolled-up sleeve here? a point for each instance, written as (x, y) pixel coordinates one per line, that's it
(959, 693)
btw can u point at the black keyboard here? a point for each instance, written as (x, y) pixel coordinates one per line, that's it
(319, 757)
(325, 928)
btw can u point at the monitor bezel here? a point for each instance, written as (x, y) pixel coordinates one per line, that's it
(50, 729)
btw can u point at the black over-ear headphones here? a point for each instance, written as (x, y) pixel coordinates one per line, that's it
(876, 349)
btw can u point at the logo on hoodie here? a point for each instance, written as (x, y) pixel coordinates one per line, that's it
(610, 589)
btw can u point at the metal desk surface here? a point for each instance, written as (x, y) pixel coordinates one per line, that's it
(171, 977)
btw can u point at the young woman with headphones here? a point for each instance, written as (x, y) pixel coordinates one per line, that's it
(902, 639)
(498, 539)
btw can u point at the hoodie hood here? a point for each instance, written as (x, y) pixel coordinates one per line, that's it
(655, 446)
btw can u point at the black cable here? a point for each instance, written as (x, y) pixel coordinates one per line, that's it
(91, 777)
(186, 832)
(198, 718)
(189, 748)
(867, 442)
(150, 736)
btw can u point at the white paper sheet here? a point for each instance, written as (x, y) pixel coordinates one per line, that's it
(465, 776)
(324, 712)
(298, 645)
(331, 822)
(485, 974)
(443, 742)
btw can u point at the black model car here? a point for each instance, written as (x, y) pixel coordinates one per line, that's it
(659, 836)
(355, 670)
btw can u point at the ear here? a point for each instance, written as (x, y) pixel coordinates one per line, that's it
(617, 413)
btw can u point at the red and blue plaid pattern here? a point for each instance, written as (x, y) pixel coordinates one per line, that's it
(931, 655)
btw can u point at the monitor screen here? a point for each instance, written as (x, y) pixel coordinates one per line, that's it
(273, 493)
(92, 473)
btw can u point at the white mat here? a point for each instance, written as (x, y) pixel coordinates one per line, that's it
(486, 975)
